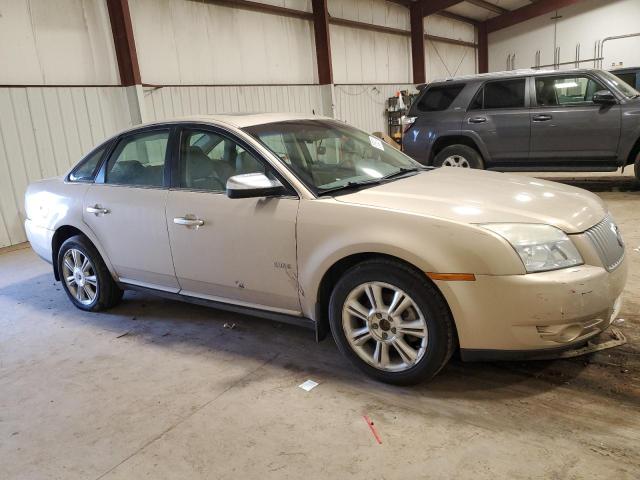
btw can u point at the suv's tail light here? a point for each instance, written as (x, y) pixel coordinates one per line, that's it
(407, 123)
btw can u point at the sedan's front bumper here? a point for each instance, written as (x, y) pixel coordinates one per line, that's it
(540, 311)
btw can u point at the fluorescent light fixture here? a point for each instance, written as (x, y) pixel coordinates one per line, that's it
(566, 85)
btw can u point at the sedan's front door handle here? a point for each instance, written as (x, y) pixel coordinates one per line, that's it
(188, 222)
(542, 118)
(477, 120)
(97, 210)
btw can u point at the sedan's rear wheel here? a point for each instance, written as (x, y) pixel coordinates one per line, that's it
(636, 167)
(391, 322)
(85, 277)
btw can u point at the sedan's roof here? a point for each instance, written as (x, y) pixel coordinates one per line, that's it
(241, 120)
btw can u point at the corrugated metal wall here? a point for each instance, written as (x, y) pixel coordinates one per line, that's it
(171, 102)
(43, 132)
(189, 42)
(61, 42)
(364, 105)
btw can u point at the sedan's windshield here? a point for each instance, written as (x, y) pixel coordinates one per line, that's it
(329, 156)
(626, 89)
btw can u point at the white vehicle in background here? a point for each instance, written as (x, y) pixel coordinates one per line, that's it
(310, 221)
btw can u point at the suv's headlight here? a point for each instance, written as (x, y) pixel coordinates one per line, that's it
(541, 247)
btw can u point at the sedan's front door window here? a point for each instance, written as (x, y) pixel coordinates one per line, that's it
(139, 160)
(208, 160)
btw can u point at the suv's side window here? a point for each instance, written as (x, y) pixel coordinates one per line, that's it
(207, 160)
(439, 98)
(139, 160)
(569, 90)
(500, 94)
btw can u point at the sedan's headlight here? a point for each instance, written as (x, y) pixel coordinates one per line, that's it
(541, 247)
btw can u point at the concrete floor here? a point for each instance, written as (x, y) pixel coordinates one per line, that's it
(161, 389)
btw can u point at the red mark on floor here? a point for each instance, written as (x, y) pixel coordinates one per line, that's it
(373, 429)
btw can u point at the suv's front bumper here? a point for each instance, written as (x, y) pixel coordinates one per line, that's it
(517, 314)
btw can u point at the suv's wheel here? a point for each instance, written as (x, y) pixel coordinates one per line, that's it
(391, 322)
(85, 277)
(461, 156)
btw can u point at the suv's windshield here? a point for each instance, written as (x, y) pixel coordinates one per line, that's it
(330, 156)
(624, 88)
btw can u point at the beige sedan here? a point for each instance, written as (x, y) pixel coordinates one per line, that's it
(309, 221)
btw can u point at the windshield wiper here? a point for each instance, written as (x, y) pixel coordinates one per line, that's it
(351, 186)
(401, 172)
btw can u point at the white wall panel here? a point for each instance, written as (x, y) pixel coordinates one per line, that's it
(45, 42)
(363, 56)
(584, 22)
(43, 132)
(377, 12)
(170, 102)
(184, 42)
(363, 106)
(445, 60)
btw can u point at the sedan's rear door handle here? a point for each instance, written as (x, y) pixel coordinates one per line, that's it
(97, 210)
(187, 221)
(477, 120)
(542, 118)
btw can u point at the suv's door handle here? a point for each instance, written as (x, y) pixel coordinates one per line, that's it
(97, 210)
(542, 118)
(188, 222)
(477, 120)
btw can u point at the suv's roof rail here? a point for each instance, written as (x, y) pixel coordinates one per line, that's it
(507, 73)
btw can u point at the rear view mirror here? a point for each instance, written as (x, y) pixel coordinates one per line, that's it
(604, 97)
(252, 185)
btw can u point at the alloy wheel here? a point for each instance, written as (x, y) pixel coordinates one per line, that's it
(80, 276)
(384, 326)
(456, 161)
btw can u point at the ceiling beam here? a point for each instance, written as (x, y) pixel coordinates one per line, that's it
(522, 14)
(263, 8)
(459, 18)
(488, 6)
(429, 7)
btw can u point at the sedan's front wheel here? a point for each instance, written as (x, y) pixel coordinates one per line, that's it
(391, 322)
(85, 277)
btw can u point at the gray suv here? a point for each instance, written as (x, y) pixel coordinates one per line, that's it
(579, 120)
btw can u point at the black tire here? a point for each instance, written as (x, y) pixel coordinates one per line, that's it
(439, 323)
(636, 168)
(463, 153)
(108, 294)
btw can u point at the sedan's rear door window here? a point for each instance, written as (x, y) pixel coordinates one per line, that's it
(139, 160)
(86, 170)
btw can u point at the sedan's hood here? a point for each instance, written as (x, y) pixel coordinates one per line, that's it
(476, 196)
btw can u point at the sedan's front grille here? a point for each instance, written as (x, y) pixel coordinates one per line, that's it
(607, 241)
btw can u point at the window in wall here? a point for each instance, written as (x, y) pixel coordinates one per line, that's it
(439, 98)
(570, 90)
(87, 169)
(139, 160)
(208, 160)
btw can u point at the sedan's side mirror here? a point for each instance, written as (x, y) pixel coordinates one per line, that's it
(252, 185)
(604, 97)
